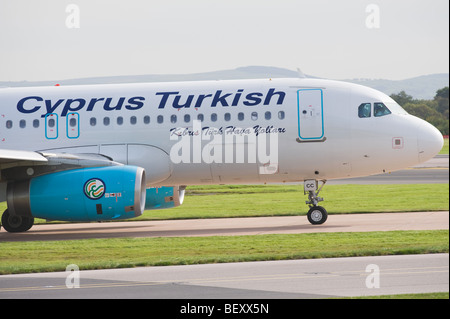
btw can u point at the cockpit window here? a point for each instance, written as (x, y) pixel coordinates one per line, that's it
(379, 109)
(364, 110)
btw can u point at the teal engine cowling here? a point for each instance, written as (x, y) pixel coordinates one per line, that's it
(87, 194)
(164, 197)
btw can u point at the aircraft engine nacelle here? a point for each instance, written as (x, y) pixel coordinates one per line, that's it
(164, 197)
(87, 194)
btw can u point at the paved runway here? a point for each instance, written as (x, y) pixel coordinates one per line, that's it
(434, 171)
(313, 278)
(407, 176)
(234, 226)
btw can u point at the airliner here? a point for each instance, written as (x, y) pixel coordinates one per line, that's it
(109, 152)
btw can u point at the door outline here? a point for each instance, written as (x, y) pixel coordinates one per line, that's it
(320, 137)
(51, 132)
(75, 128)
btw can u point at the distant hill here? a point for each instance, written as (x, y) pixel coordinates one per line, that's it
(422, 87)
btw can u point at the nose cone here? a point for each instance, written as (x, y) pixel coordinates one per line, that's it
(430, 141)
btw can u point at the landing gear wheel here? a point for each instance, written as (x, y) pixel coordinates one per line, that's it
(15, 223)
(317, 215)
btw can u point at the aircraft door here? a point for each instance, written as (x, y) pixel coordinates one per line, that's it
(70, 124)
(310, 115)
(73, 125)
(51, 126)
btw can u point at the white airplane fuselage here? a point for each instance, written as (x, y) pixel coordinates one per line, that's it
(216, 132)
(121, 121)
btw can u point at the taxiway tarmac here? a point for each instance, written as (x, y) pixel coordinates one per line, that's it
(312, 278)
(234, 226)
(434, 171)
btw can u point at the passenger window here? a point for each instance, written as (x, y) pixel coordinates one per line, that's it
(364, 110)
(133, 120)
(35, 123)
(93, 121)
(267, 115)
(106, 121)
(173, 119)
(146, 119)
(240, 116)
(214, 117)
(120, 120)
(187, 118)
(200, 117)
(22, 124)
(9, 124)
(254, 116)
(73, 122)
(379, 109)
(281, 115)
(227, 117)
(160, 119)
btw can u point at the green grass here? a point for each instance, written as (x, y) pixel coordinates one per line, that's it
(433, 295)
(45, 256)
(444, 149)
(288, 200)
(238, 201)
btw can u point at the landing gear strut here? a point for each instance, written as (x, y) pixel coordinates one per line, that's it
(317, 214)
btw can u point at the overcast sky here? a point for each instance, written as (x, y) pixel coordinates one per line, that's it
(390, 39)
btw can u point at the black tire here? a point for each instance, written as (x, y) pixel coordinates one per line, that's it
(317, 215)
(15, 223)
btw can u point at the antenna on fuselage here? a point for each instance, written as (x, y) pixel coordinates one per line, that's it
(301, 75)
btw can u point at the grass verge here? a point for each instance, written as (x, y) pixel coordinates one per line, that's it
(433, 295)
(46, 256)
(224, 201)
(284, 200)
(445, 148)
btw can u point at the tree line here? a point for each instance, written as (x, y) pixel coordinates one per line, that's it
(434, 111)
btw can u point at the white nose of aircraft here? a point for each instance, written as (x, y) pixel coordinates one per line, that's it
(429, 140)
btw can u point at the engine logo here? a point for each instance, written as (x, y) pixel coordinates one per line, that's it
(94, 188)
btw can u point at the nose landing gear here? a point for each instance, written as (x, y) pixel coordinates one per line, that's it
(317, 214)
